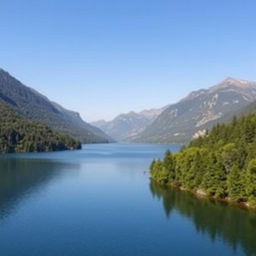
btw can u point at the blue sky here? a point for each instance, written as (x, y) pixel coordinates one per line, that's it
(104, 57)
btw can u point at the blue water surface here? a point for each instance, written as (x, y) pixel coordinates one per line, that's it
(100, 201)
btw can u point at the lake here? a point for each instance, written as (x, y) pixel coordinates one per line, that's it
(99, 201)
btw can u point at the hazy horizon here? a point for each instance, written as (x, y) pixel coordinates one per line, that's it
(103, 58)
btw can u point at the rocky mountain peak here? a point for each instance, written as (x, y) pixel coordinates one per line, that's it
(231, 82)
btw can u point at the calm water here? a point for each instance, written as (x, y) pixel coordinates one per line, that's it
(99, 201)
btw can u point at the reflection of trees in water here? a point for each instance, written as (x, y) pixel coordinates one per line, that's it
(235, 226)
(21, 177)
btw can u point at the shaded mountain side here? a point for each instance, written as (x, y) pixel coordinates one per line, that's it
(249, 109)
(36, 107)
(97, 134)
(198, 111)
(18, 134)
(126, 126)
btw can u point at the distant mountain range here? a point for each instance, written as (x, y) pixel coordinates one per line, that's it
(36, 107)
(175, 123)
(190, 117)
(200, 110)
(127, 126)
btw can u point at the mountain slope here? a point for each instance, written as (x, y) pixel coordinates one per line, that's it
(37, 107)
(20, 135)
(125, 126)
(199, 110)
(249, 109)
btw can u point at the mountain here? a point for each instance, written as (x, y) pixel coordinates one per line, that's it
(198, 111)
(36, 107)
(249, 109)
(126, 126)
(17, 134)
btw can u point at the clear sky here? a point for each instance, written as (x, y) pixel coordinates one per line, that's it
(104, 57)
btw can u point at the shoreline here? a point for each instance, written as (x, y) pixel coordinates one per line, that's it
(200, 194)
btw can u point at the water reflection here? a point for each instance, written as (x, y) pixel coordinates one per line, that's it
(237, 227)
(19, 178)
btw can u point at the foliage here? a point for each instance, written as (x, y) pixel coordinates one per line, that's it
(17, 134)
(222, 164)
(38, 108)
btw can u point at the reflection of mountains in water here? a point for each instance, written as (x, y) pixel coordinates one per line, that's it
(19, 178)
(235, 226)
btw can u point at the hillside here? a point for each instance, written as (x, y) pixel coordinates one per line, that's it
(200, 110)
(126, 126)
(37, 107)
(221, 164)
(20, 135)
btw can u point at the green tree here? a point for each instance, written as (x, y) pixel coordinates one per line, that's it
(251, 182)
(236, 184)
(169, 165)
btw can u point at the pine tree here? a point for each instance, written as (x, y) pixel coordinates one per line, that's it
(169, 165)
(236, 184)
(251, 182)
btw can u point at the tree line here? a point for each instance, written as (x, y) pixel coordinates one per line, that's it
(18, 134)
(221, 164)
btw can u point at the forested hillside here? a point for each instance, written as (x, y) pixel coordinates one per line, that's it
(20, 135)
(221, 164)
(36, 107)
